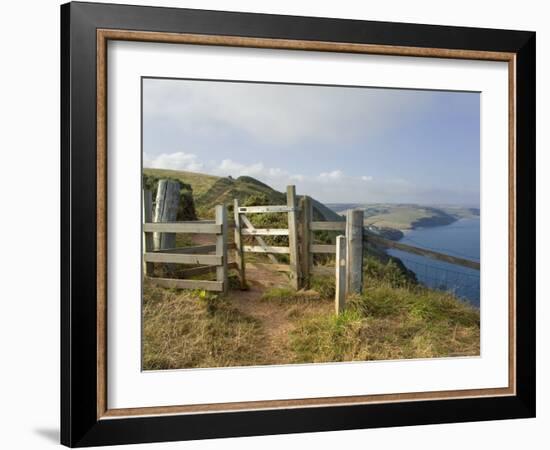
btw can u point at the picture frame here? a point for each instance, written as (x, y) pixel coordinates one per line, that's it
(86, 418)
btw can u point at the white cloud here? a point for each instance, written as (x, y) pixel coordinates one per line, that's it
(175, 161)
(331, 186)
(331, 176)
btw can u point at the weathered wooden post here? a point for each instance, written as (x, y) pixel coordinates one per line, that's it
(340, 295)
(239, 254)
(292, 237)
(306, 256)
(354, 251)
(147, 237)
(166, 210)
(221, 246)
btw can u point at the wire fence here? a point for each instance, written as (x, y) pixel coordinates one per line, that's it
(461, 281)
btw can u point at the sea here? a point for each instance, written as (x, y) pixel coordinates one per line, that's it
(461, 239)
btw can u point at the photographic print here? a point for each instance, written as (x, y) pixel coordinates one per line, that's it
(295, 224)
(297, 208)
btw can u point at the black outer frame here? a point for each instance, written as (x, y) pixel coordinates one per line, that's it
(79, 424)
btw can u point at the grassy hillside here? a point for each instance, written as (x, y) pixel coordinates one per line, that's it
(394, 318)
(200, 182)
(224, 190)
(210, 190)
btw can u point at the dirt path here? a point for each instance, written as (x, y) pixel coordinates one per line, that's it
(272, 316)
(277, 318)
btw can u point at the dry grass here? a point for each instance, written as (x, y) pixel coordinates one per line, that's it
(183, 329)
(390, 323)
(392, 319)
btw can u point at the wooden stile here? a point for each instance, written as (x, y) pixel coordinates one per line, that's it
(239, 253)
(293, 237)
(221, 247)
(147, 237)
(340, 272)
(192, 255)
(166, 210)
(354, 251)
(307, 259)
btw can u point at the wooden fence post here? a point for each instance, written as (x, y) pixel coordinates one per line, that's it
(239, 245)
(221, 246)
(166, 210)
(147, 237)
(354, 251)
(340, 295)
(292, 237)
(306, 256)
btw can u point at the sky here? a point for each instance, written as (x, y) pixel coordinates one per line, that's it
(336, 144)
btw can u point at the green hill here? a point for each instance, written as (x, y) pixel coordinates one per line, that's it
(200, 182)
(224, 190)
(210, 190)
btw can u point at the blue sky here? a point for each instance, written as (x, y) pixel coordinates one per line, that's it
(337, 144)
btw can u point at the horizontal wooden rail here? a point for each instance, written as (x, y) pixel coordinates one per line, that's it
(199, 249)
(264, 231)
(182, 227)
(318, 248)
(265, 209)
(188, 284)
(265, 249)
(422, 252)
(182, 259)
(327, 226)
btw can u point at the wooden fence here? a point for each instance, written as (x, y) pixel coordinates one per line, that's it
(244, 227)
(352, 228)
(207, 258)
(348, 248)
(348, 251)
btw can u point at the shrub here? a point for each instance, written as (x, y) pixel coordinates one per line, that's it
(389, 272)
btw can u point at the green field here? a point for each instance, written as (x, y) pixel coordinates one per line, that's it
(406, 216)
